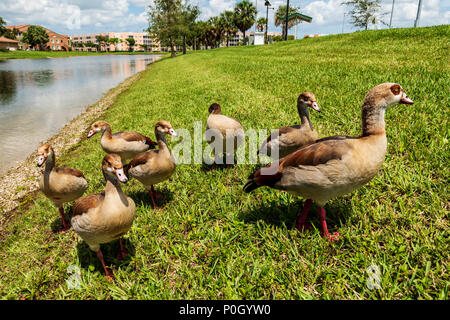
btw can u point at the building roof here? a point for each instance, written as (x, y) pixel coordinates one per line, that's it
(20, 27)
(24, 28)
(3, 39)
(299, 16)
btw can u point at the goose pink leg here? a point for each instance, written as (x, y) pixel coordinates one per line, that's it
(153, 194)
(158, 195)
(301, 225)
(65, 225)
(108, 273)
(322, 217)
(122, 251)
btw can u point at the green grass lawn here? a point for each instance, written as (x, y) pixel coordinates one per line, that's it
(213, 241)
(20, 54)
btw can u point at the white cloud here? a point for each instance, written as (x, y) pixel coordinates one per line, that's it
(324, 12)
(93, 16)
(405, 12)
(331, 13)
(213, 8)
(141, 3)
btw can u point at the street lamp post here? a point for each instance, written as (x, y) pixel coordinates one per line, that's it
(256, 6)
(419, 9)
(286, 23)
(267, 4)
(392, 13)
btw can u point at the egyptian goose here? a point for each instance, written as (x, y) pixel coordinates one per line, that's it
(126, 144)
(104, 217)
(289, 139)
(60, 185)
(336, 165)
(154, 166)
(225, 131)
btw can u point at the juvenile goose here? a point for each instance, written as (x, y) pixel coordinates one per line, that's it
(104, 217)
(289, 139)
(60, 185)
(336, 165)
(154, 166)
(126, 144)
(225, 131)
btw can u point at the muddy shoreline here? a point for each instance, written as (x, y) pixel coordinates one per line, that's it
(21, 181)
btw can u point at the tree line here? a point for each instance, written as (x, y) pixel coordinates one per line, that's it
(176, 24)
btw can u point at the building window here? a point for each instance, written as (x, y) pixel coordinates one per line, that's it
(53, 41)
(57, 40)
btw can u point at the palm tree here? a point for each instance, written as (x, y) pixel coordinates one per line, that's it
(131, 42)
(101, 40)
(202, 33)
(244, 16)
(89, 44)
(114, 41)
(227, 18)
(261, 24)
(281, 14)
(190, 14)
(218, 30)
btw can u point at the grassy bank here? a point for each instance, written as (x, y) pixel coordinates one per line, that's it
(19, 54)
(213, 241)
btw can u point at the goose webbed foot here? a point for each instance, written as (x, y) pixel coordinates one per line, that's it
(108, 272)
(322, 217)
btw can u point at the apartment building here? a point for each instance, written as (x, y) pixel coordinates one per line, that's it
(56, 41)
(143, 42)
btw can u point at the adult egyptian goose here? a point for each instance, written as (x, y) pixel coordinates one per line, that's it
(336, 165)
(126, 144)
(154, 166)
(289, 139)
(104, 217)
(223, 133)
(60, 185)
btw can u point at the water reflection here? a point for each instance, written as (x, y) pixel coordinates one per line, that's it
(39, 96)
(7, 87)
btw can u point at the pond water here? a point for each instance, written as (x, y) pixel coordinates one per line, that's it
(39, 96)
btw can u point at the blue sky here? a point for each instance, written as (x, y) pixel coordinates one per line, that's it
(90, 16)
